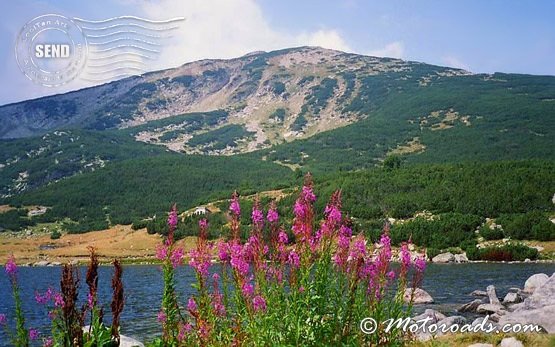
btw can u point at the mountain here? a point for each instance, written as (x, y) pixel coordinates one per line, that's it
(276, 96)
(276, 113)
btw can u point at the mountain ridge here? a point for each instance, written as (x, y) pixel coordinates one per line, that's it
(247, 82)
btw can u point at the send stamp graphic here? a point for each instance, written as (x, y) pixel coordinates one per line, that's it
(53, 50)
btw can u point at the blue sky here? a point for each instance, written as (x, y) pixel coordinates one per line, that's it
(480, 36)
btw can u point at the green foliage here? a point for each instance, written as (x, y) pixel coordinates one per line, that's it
(508, 120)
(279, 114)
(320, 94)
(135, 189)
(432, 252)
(448, 230)
(392, 162)
(220, 138)
(299, 123)
(531, 225)
(278, 87)
(491, 234)
(188, 122)
(55, 235)
(15, 220)
(506, 252)
(59, 155)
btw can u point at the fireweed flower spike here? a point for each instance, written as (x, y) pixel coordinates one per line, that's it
(11, 267)
(172, 222)
(272, 215)
(235, 211)
(33, 334)
(304, 214)
(243, 303)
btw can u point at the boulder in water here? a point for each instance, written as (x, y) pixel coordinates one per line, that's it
(444, 258)
(492, 295)
(538, 308)
(419, 296)
(512, 298)
(471, 306)
(535, 281)
(479, 293)
(461, 258)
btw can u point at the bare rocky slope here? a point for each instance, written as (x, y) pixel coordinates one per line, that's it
(267, 98)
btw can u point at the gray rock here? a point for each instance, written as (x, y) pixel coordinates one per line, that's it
(446, 323)
(512, 298)
(510, 342)
(489, 308)
(444, 258)
(420, 296)
(435, 316)
(481, 345)
(129, 342)
(471, 306)
(125, 341)
(56, 263)
(535, 281)
(492, 295)
(484, 323)
(479, 293)
(42, 263)
(461, 258)
(538, 308)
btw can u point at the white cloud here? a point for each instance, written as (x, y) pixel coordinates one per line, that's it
(324, 38)
(455, 62)
(392, 50)
(227, 29)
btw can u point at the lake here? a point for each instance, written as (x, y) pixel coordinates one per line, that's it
(449, 285)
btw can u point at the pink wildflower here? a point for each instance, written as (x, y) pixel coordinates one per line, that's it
(33, 334)
(11, 267)
(48, 342)
(247, 289)
(272, 215)
(234, 207)
(238, 261)
(294, 259)
(90, 300)
(3, 319)
(191, 305)
(223, 252)
(405, 255)
(257, 217)
(176, 257)
(391, 275)
(162, 317)
(172, 217)
(59, 300)
(258, 303)
(161, 252)
(217, 304)
(420, 264)
(282, 237)
(308, 194)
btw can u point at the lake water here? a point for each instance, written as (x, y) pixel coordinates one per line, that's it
(449, 285)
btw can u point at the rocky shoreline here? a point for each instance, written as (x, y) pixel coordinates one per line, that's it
(135, 261)
(533, 304)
